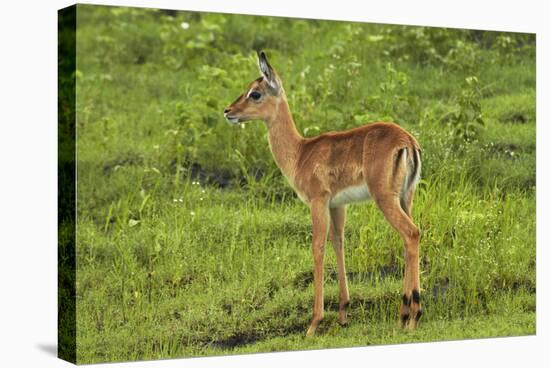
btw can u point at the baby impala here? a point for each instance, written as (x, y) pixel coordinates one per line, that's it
(377, 161)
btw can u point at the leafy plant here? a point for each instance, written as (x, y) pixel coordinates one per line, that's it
(466, 121)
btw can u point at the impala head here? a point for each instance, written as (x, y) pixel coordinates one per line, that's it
(260, 99)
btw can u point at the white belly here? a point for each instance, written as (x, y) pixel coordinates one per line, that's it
(350, 195)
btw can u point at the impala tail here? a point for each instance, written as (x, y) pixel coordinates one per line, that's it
(411, 158)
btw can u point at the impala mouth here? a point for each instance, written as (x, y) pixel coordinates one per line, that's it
(231, 119)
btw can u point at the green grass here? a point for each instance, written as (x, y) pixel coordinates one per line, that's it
(190, 242)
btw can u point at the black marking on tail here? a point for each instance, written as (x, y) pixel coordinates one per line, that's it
(415, 168)
(398, 159)
(413, 172)
(400, 154)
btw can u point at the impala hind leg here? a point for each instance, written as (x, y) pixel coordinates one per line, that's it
(410, 310)
(338, 220)
(320, 220)
(406, 202)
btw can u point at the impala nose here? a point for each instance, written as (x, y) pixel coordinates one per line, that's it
(226, 111)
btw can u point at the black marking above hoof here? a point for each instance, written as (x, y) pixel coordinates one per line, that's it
(418, 315)
(416, 296)
(404, 319)
(406, 301)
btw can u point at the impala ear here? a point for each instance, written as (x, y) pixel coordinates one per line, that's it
(268, 72)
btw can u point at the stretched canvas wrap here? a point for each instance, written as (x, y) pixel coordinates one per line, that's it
(202, 199)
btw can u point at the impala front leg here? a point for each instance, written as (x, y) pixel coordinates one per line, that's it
(320, 219)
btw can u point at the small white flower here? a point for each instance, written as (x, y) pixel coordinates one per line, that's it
(192, 213)
(184, 25)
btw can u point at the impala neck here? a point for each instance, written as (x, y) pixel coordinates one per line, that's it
(284, 138)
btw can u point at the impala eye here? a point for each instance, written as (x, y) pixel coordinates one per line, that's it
(255, 95)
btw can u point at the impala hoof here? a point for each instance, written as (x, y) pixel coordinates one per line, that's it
(343, 313)
(313, 327)
(411, 311)
(343, 318)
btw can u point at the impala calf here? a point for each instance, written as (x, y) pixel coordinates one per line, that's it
(378, 161)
